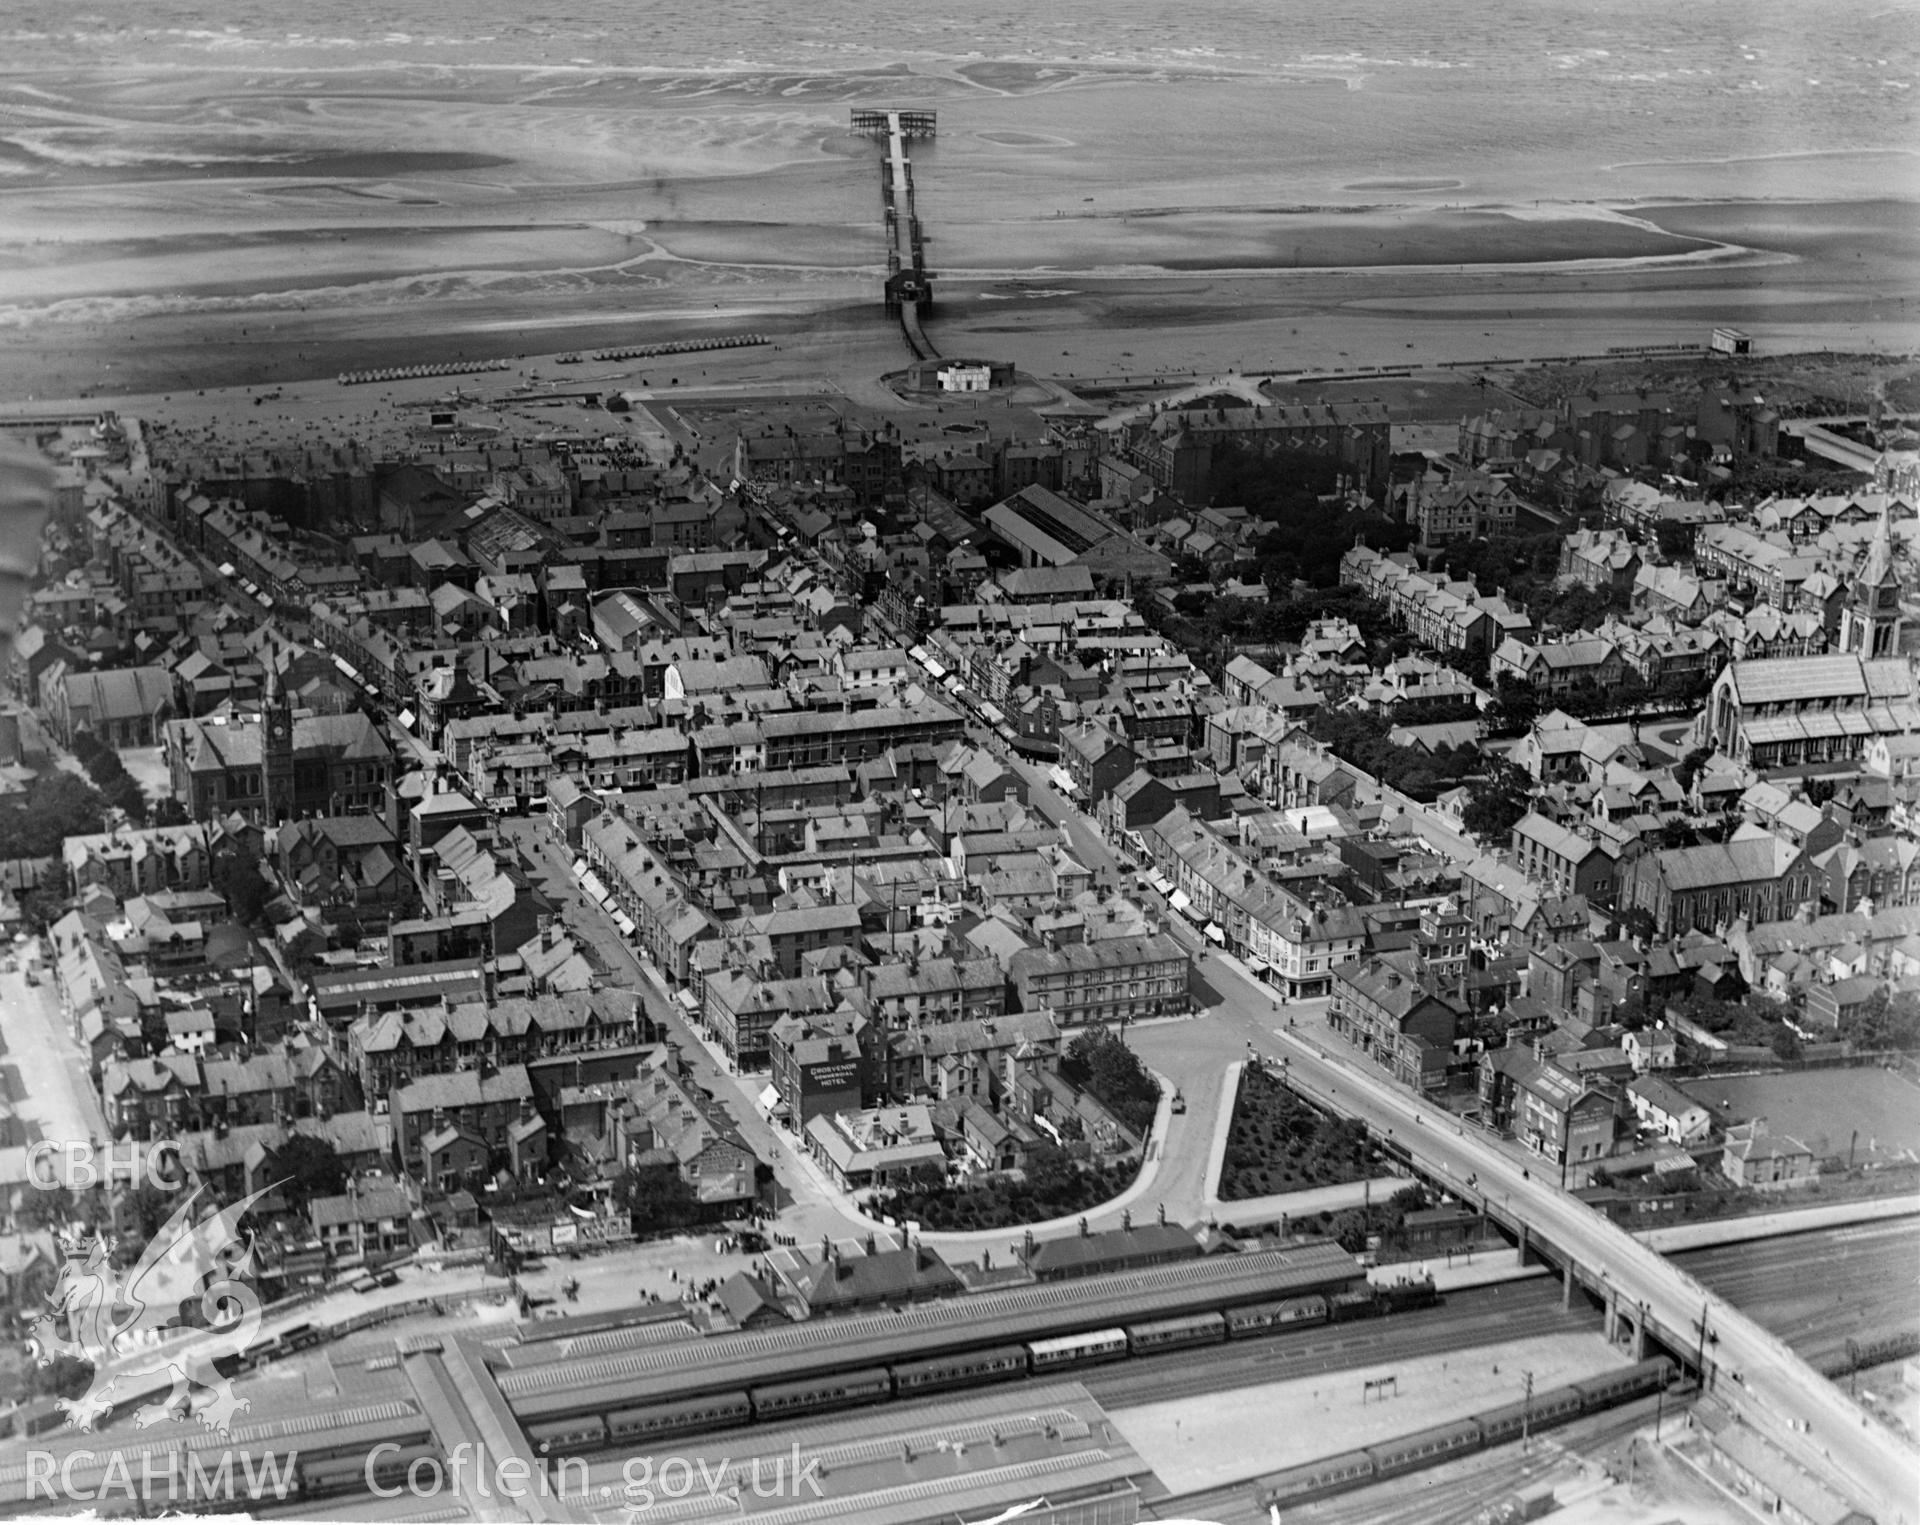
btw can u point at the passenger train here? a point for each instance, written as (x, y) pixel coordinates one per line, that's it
(1428, 1448)
(643, 1423)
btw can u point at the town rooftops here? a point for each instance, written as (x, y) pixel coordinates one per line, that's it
(1105, 953)
(367, 1206)
(1753, 855)
(887, 1276)
(1071, 1255)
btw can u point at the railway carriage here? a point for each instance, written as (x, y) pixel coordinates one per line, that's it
(1078, 1349)
(321, 1477)
(974, 1367)
(1425, 1448)
(1176, 1333)
(1618, 1386)
(813, 1394)
(1316, 1479)
(1272, 1318)
(567, 1437)
(654, 1420)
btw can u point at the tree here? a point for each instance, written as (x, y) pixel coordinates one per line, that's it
(1675, 540)
(1496, 802)
(1101, 1064)
(59, 805)
(1517, 707)
(238, 881)
(144, 1211)
(312, 1168)
(61, 1206)
(66, 1377)
(1688, 768)
(42, 906)
(657, 1198)
(1885, 1021)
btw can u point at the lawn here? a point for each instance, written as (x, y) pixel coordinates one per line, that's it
(1279, 1142)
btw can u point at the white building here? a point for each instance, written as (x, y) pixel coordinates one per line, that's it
(962, 377)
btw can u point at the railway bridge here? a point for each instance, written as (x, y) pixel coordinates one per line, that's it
(1649, 1301)
(909, 285)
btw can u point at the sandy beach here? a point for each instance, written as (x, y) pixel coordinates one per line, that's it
(197, 226)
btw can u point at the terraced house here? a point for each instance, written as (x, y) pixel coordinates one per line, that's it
(1382, 1007)
(140, 862)
(1115, 979)
(1559, 667)
(1566, 861)
(930, 992)
(387, 1049)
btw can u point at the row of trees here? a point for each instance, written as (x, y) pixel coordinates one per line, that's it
(1362, 740)
(59, 805)
(1289, 492)
(117, 787)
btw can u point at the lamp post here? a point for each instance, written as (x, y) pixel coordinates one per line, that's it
(1700, 1351)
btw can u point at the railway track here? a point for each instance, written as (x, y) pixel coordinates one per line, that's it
(1328, 1348)
(1452, 1494)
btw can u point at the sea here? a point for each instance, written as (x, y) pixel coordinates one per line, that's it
(1630, 80)
(711, 136)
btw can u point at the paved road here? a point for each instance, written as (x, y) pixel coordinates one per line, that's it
(809, 1209)
(49, 1085)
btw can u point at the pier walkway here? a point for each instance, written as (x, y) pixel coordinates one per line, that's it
(909, 287)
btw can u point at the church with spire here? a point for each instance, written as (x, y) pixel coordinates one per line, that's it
(1871, 618)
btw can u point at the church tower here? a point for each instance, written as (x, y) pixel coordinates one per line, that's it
(1870, 623)
(276, 754)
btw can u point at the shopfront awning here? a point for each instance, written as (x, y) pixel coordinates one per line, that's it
(1162, 883)
(1215, 935)
(590, 882)
(625, 923)
(1180, 900)
(687, 1000)
(1258, 965)
(579, 868)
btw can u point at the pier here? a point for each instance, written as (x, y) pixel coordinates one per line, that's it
(909, 285)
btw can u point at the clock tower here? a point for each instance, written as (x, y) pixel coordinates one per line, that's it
(1870, 623)
(276, 755)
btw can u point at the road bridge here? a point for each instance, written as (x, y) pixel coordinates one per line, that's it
(909, 286)
(1648, 1299)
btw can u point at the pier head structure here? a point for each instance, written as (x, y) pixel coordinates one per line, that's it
(909, 285)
